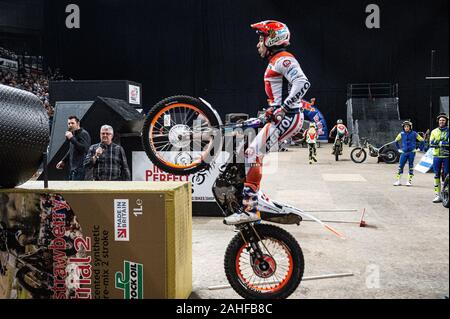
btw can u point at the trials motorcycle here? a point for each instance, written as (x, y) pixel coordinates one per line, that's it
(383, 153)
(262, 260)
(34, 269)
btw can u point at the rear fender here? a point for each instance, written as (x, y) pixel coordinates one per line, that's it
(216, 114)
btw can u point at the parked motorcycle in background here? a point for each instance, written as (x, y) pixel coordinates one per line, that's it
(444, 193)
(383, 153)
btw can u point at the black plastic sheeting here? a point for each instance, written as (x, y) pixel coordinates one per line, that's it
(444, 104)
(24, 135)
(375, 119)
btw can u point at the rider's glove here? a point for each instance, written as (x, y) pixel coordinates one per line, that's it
(400, 151)
(268, 115)
(279, 114)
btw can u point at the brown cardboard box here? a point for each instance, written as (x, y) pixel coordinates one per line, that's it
(96, 240)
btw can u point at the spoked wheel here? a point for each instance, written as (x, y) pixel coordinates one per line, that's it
(358, 155)
(179, 135)
(390, 157)
(276, 275)
(37, 284)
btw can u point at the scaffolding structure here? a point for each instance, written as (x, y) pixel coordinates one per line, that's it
(373, 112)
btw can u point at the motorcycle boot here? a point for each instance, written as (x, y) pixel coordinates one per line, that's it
(409, 182)
(249, 212)
(437, 199)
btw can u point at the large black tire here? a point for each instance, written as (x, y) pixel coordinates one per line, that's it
(444, 195)
(38, 292)
(336, 155)
(24, 135)
(358, 155)
(390, 157)
(290, 244)
(146, 142)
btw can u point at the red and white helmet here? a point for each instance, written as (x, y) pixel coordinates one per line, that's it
(276, 34)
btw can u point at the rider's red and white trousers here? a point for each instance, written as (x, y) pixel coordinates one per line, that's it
(268, 139)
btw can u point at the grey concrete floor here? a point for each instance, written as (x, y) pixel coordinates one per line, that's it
(403, 253)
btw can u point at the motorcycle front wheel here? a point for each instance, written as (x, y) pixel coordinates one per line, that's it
(179, 135)
(358, 155)
(33, 282)
(275, 276)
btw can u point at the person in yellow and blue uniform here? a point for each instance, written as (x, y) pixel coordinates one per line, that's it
(407, 151)
(439, 143)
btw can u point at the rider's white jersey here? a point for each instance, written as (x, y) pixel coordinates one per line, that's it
(285, 82)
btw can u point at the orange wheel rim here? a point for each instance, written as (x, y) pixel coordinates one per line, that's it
(153, 127)
(271, 284)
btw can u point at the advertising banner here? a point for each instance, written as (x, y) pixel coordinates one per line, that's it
(93, 244)
(8, 64)
(314, 115)
(426, 162)
(202, 182)
(134, 94)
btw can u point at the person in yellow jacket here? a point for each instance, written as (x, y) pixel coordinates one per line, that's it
(439, 142)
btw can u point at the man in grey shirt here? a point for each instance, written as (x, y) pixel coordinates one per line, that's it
(107, 159)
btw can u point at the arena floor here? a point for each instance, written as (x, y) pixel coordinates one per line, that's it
(402, 253)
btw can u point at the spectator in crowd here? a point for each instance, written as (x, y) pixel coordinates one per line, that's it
(24, 79)
(107, 159)
(79, 140)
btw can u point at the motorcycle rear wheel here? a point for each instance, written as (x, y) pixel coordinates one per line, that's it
(283, 259)
(173, 131)
(444, 195)
(390, 157)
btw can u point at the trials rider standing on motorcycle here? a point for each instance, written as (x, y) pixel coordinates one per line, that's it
(341, 132)
(311, 136)
(285, 85)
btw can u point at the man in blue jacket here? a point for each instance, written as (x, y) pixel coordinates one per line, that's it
(408, 149)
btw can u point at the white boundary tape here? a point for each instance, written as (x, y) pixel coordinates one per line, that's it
(304, 279)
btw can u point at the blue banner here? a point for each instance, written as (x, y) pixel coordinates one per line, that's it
(313, 114)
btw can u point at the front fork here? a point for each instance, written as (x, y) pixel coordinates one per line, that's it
(251, 238)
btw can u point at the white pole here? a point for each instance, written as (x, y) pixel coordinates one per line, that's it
(333, 221)
(330, 210)
(304, 279)
(436, 78)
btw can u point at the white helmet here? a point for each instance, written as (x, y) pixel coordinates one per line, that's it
(276, 34)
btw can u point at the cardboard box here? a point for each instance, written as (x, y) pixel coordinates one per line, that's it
(102, 240)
